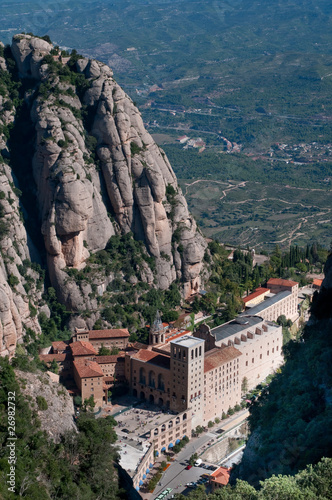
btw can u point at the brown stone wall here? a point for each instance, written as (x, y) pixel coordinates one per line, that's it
(120, 343)
(175, 428)
(286, 306)
(116, 369)
(93, 387)
(222, 389)
(150, 381)
(203, 332)
(187, 376)
(90, 386)
(261, 356)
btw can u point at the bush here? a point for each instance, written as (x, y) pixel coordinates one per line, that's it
(170, 190)
(78, 401)
(42, 403)
(134, 148)
(13, 280)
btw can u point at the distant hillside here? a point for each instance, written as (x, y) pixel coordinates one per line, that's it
(256, 73)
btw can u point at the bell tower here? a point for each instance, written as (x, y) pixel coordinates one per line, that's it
(187, 376)
(157, 333)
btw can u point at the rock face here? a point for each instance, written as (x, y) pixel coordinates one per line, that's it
(97, 173)
(134, 169)
(19, 293)
(56, 416)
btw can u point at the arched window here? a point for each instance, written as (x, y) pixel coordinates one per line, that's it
(161, 383)
(152, 379)
(142, 378)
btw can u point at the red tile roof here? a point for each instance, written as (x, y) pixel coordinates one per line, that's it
(50, 357)
(59, 345)
(82, 348)
(317, 282)
(139, 345)
(281, 282)
(107, 334)
(221, 476)
(101, 360)
(259, 291)
(87, 368)
(217, 357)
(155, 358)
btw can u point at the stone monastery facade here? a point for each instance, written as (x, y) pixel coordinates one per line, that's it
(196, 377)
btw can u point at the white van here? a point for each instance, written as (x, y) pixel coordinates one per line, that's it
(198, 462)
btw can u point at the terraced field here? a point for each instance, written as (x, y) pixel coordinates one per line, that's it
(251, 213)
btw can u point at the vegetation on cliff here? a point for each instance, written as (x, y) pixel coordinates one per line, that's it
(80, 466)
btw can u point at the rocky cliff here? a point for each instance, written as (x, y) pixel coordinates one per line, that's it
(20, 285)
(52, 403)
(96, 173)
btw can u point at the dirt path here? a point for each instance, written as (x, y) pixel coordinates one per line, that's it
(273, 199)
(202, 180)
(231, 187)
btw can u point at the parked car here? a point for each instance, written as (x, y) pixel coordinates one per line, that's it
(188, 467)
(191, 485)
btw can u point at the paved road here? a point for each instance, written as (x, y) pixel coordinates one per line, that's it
(176, 476)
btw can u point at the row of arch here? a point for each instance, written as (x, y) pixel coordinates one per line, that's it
(170, 424)
(151, 399)
(153, 381)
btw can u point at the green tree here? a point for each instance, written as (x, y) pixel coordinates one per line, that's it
(281, 488)
(103, 351)
(244, 385)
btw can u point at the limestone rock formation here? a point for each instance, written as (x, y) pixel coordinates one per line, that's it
(97, 173)
(134, 169)
(56, 416)
(19, 294)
